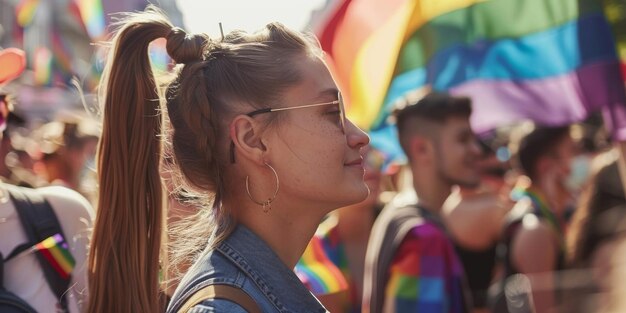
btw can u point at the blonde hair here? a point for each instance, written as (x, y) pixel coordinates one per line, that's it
(219, 79)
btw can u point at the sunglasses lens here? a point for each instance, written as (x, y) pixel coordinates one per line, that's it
(342, 110)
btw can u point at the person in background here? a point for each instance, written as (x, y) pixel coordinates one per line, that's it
(66, 146)
(474, 216)
(590, 222)
(23, 274)
(591, 141)
(597, 228)
(610, 268)
(411, 265)
(17, 151)
(340, 242)
(259, 138)
(543, 155)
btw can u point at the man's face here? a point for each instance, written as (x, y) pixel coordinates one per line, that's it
(457, 153)
(560, 160)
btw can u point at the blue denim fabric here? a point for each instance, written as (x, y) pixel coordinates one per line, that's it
(245, 261)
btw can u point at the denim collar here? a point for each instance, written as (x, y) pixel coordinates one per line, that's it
(279, 284)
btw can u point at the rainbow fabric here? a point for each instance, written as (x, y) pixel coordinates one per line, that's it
(25, 12)
(93, 17)
(329, 239)
(43, 66)
(57, 67)
(425, 275)
(56, 251)
(317, 272)
(550, 61)
(159, 58)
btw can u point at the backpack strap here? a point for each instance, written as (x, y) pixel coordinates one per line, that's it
(221, 291)
(40, 222)
(388, 233)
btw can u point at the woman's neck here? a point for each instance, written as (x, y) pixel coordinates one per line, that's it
(287, 233)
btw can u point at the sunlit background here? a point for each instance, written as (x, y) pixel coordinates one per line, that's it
(249, 15)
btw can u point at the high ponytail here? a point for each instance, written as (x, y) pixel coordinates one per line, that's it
(124, 252)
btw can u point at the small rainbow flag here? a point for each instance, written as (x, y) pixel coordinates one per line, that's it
(56, 251)
(318, 273)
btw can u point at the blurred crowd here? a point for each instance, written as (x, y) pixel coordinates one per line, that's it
(564, 181)
(58, 152)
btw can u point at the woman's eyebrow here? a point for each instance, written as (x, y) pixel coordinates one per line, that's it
(326, 93)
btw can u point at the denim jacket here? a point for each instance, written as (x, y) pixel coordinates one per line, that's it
(245, 261)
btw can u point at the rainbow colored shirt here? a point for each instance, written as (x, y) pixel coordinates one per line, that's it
(425, 275)
(324, 268)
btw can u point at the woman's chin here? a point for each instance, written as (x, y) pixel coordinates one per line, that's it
(360, 193)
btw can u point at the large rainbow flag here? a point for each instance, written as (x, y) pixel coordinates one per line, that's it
(552, 61)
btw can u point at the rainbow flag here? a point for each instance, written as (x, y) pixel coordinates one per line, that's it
(317, 272)
(56, 251)
(159, 58)
(550, 61)
(62, 53)
(93, 17)
(25, 11)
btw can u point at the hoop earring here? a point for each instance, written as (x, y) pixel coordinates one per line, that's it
(267, 204)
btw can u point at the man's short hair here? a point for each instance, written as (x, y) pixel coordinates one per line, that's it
(536, 144)
(433, 109)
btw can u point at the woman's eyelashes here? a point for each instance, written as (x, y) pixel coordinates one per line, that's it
(335, 115)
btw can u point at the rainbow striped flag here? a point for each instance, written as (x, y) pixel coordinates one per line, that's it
(159, 58)
(550, 61)
(56, 251)
(317, 272)
(93, 17)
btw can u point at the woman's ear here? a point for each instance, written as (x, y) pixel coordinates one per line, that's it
(245, 132)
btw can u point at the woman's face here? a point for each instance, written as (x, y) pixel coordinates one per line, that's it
(317, 160)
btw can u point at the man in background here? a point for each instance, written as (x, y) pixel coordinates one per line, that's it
(411, 264)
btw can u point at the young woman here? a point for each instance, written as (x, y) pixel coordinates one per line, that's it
(257, 129)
